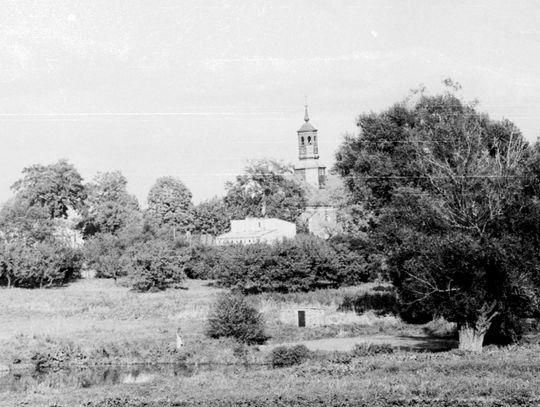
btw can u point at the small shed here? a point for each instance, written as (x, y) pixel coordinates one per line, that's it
(304, 316)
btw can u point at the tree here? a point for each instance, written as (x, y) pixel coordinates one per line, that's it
(211, 217)
(444, 183)
(264, 191)
(169, 206)
(153, 265)
(19, 221)
(110, 207)
(57, 187)
(233, 316)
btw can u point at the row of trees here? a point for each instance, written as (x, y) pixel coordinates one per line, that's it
(453, 199)
(112, 222)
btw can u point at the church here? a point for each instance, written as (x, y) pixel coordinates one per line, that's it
(320, 215)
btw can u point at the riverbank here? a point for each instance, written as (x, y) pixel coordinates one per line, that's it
(497, 377)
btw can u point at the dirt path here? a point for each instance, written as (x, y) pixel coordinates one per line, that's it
(348, 344)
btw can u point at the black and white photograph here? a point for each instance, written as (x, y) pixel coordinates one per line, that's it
(266, 203)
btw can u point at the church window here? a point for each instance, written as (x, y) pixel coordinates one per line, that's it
(302, 138)
(309, 140)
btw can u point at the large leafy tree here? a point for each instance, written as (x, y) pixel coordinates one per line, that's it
(170, 207)
(57, 187)
(211, 217)
(110, 208)
(19, 221)
(445, 184)
(266, 189)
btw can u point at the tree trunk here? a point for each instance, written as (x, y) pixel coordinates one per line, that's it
(471, 338)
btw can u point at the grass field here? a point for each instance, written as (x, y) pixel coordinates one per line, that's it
(97, 322)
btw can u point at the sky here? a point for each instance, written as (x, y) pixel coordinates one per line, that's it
(194, 89)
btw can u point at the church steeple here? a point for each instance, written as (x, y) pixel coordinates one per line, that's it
(308, 167)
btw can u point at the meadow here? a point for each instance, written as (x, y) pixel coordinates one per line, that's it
(97, 322)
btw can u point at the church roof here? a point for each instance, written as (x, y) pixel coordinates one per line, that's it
(307, 125)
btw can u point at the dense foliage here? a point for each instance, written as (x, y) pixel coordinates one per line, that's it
(43, 264)
(265, 189)
(452, 206)
(233, 316)
(170, 210)
(109, 207)
(211, 217)
(301, 264)
(34, 250)
(380, 302)
(284, 356)
(57, 187)
(153, 265)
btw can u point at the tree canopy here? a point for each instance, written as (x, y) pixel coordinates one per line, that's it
(211, 217)
(170, 206)
(57, 187)
(264, 190)
(110, 207)
(446, 185)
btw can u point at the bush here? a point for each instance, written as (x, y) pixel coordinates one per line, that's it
(441, 328)
(43, 264)
(380, 302)
(304, 264)
(153, 265)
(283, 356)
(233, 316)
(202, 261)
(370, 349)
(103, 252)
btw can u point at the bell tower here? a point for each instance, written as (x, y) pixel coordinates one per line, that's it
(308, 169)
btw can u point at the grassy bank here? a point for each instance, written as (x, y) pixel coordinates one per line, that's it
(498, 377)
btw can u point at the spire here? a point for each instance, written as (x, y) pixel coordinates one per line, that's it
(306, 116)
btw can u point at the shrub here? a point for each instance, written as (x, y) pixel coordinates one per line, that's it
(370, 349)
(103, 252)
(153, 265)
(283, 356)
(233, 316)
(381, 303)
(302, 264)
(202, 261)
(441, 328)
(42, 264)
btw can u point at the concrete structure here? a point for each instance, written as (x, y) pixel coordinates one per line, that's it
(303, 316)
(308, 169)
(257, 230)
